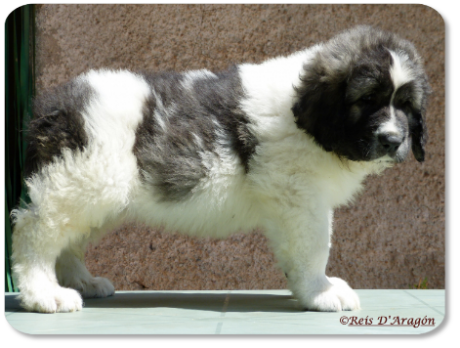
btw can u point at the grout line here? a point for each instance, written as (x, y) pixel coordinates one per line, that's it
(218, 328)
(222, 314)
(226, 302)
(426, 304)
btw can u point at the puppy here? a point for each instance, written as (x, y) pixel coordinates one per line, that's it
(276, 145)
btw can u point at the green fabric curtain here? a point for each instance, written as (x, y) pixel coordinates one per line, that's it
(19, 90)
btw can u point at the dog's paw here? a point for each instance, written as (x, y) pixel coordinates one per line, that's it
(337, 297)
(97, 287)
(348, 297)
(52, 300)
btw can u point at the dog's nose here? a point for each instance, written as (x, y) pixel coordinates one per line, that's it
(390, 142)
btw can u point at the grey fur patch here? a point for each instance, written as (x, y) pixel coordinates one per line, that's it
(182, 117)
(57, 123)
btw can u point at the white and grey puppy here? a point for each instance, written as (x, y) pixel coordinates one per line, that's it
(276, 145)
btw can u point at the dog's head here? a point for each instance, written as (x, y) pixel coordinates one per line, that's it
(363, 96)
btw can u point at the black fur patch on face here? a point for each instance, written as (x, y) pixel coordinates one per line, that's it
(56, 124)
(345, 93)
(192, 110)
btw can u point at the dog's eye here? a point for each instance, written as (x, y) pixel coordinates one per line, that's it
(368, 98)
(405, 105)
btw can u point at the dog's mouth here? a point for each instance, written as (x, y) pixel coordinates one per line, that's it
(382, 153)
(376, 154)
(387, 160)
(391, 159)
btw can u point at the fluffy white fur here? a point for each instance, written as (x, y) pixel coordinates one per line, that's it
(290, 191)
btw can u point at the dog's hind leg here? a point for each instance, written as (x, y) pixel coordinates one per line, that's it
(49, 242)
(72, 273)
(36, 245)
(70, 199)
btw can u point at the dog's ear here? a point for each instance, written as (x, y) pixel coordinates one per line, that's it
(417, 122)
(320, 103)
(419, 136)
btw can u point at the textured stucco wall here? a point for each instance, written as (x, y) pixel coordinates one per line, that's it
(390, 238)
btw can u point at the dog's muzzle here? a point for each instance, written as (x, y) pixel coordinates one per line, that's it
(390, 143)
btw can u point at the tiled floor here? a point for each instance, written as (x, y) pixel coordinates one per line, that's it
(261, 312)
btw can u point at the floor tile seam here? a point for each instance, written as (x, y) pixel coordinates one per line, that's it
(426, 304)
(223, 312)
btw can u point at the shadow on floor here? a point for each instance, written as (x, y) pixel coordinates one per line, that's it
(222, 302)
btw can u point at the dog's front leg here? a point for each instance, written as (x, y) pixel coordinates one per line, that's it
(301, 239)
